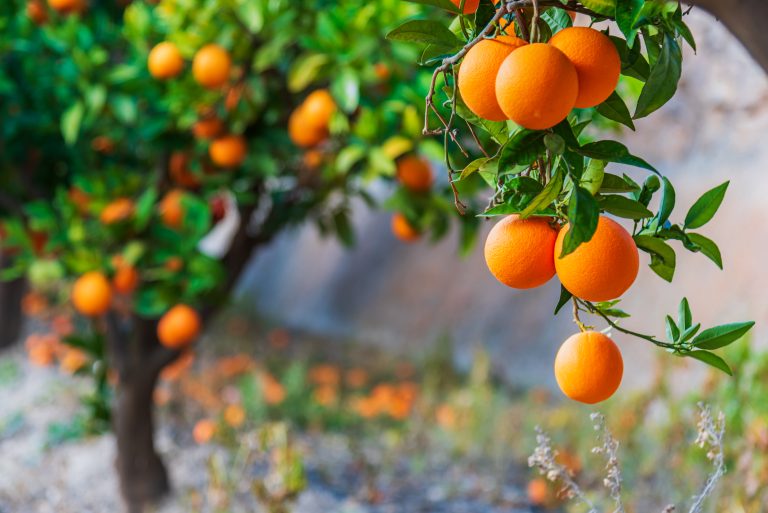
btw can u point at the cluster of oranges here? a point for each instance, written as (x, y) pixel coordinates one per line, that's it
(415, 174)
(526, 253)
(309, 123)
(92, 296)
(536, 85)
(211, 68)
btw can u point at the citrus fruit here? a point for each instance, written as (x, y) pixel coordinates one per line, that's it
(211, 66)
(178, 327)
(601, 269)
(403, 229)
(228, 150)
(117, 210)
(126, 279)
(415, 173)
(207, 128)
(67, 6)
(302, 133)
(477, 75)
(92, 294)
(165, 61)
(596, 60)
(178, 170)
(470, 6)
(171, 209)
(537, 86)
(318, 108)
(36, 12)
(589, 367)
(520, 252)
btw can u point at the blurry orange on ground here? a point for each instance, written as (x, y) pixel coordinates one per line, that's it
(228, 150)
(211, 66)
(356, 378)
(230, 366)
(117, 210)
(365, 407)
(201, 393)
(538, 491)
(178, 367)
(403, 229)
(178, 327)
(73, 360)
(33, 304)
(204, 431)
(325, 395)
(446, 417)
(234, 415)
(92, 294)
(415, 173)
(273, 392)
(41, 349)
(329, 375)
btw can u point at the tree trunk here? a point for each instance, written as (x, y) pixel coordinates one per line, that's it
(11, 294)
(143, 477)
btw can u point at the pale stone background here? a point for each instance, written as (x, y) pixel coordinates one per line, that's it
(407, 297)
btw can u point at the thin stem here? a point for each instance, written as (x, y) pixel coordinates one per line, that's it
(594, 310)
(576, 318)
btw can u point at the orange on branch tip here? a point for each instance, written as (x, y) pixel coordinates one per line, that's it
(601, 269)
(537, 86)
(211, 66)
(596, 60)
(178, 327)
(228, 150)
(415, 173)
(165, 61)
(520, 252)
(477, 75)
(403, 229)
(92, 294)
(589, 367)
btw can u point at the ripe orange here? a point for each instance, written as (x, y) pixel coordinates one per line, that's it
(165, 61)
(203, 431)
(470, 6)
(126, 279)
(308, 124)
(207, 128)
(228, 150)
(36, 12)
(589, 367)
(178, 327)
(596, 60)
(537, 86)
(477, 75)
(116, 211)
(92, 294)
(211, 66)
(415, 173)
(520, 252)
(171, 209)
(539, 493)
(178, 169)
(318, 107)
(601, 269)
(67, 6)
(403, 229)
(73, 360)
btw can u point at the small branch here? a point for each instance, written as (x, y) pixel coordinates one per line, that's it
(593, 310)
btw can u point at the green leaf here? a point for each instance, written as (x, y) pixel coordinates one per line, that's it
(606, 7)
(615, 109)
(344, 228)
(707, 247)
(663, 258)
(583, 214)
(684, 316)
(521, 149)
(592, 178)
(721, 336)
(626, 16)
(549, 194)
(473, 167)
(425, 31)
(71, 121)
(673, 333)
(667, 202)
(614, 183)
(144, 208)
(711, 359)
(346, 89)
(519, 192)
(705, 207)
(565, 296)
(304, 71)
(554, 143)
(613, 151)
(662, 82)
(624, 207)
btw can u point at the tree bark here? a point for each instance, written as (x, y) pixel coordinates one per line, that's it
(11, 318)
(746, 19)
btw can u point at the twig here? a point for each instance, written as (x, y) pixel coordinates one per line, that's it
(593, 310)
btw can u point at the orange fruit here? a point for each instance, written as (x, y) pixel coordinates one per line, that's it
(415, 173)
(171, 209)
(117, 211)
(589, 367)
(73, 360)
(520, 252)
(165, 61)
(211, 66)
(228, 150)
(178, 169)
(36, 12)
(319, 107)
(174, 264)
(470, 6)
(601, 269)
(537, 86)
(477, 75)
(126, 279)
(538, 492)
(178, 367)
(234, 415)
(312, 159)
(178, 327)
(67, 6)
(404, 230)
(203, 431)
(596, 60)
(207, 128)
(302, 133)
(92, 294)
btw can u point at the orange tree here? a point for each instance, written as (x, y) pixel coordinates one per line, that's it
(527, 97)
(150, 147)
